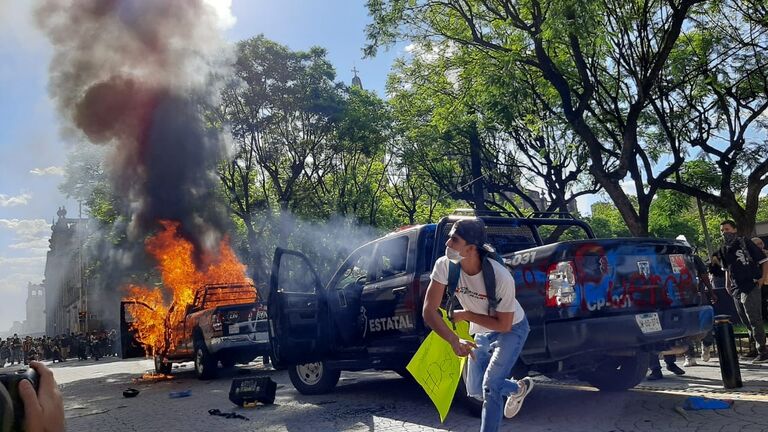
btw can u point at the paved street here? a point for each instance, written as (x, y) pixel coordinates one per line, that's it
(373, 401)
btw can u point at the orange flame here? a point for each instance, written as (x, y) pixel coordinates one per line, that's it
(153, 319)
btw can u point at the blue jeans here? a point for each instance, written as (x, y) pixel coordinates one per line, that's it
(487, 374)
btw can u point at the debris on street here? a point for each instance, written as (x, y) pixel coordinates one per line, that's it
(696, 403)
(180, 394)
(130, 392)
(229, 415)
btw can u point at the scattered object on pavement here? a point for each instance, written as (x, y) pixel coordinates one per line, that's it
(130, 392)
(229, 415)
(695, 403)
(180, 394)
(681, 411)
(252, 389)
(152, 377)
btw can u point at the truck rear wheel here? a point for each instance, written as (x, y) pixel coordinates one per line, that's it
(619, 373)
(313, 378)
(205, 364)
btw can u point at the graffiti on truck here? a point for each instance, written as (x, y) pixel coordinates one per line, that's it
(622, 277)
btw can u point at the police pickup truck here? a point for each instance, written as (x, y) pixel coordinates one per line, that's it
(597, 307)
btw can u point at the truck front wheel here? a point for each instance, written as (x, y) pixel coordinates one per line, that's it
(619, 373)
(313, 378)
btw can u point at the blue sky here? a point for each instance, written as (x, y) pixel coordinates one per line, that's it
(32, 154)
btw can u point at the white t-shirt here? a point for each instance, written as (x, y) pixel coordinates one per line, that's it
(471, 293)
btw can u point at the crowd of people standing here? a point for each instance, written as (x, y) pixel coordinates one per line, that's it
(742, 266)
(23, 349)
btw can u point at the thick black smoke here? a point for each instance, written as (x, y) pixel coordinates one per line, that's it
(131, 74)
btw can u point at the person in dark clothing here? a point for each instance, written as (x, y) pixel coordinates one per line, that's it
(764, 289)
(707, 295)
(746, 270)
(655, 366)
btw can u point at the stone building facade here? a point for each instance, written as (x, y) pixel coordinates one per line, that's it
(34, 324)
(67, 288)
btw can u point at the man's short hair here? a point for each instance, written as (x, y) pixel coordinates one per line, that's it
(729, 222)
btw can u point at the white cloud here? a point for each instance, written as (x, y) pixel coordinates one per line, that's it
(37, 245)
(27, 230)
(21, 263)
(51, 170)
(12, 201)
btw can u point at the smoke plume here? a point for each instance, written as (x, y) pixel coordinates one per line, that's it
(131, 75)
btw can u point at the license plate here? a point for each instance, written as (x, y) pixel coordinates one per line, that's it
(648, 322)
(234, 329)
(259, 337)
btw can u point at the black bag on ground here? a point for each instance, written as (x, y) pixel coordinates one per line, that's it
(251, 390)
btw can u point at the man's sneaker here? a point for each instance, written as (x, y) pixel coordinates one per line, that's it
(675, 369)
(690, 361)
(706, 353)
(749, 356)
(761, 358)
(515, 401)
(655, 374)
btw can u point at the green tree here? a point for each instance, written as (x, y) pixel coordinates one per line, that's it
(600, 59)
(717, 86)
(479, 141)
(86, 181)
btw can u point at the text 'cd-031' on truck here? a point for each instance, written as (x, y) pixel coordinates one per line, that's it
(597, 308)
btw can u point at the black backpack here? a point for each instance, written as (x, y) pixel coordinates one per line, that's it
(489, 277)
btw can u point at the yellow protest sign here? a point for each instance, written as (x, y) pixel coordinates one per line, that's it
(437, 368)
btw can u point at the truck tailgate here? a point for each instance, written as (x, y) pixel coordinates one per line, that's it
(242, 319)
(632, 275)
(609, 276)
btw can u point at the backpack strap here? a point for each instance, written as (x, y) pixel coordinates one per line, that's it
(454, 272)
(489, 277)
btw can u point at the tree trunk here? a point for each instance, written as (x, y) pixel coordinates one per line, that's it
(637, 226)
(478, 184)
(256, 259)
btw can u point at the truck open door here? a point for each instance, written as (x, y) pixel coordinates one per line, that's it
(130, 346)
(300, 329)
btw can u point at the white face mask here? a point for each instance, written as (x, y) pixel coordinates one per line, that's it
(453, 255)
